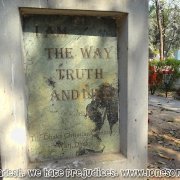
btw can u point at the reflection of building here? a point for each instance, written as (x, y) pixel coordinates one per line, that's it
(177, 55)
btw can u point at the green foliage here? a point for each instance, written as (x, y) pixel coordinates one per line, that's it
(173, 66)
(170, 20)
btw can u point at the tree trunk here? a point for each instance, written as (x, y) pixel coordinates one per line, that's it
(164, 32)
(159, 22)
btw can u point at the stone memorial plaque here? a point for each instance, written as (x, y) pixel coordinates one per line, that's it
(71, 72)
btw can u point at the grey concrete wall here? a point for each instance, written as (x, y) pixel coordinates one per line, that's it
(133, 78)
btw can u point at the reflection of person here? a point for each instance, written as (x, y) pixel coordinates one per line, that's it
(93, 111)
(105, 104)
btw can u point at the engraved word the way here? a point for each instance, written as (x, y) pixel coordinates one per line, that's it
(87, 53)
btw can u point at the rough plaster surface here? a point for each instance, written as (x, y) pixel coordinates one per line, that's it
(132, 53)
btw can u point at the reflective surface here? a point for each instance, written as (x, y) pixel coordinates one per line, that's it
(72, 80)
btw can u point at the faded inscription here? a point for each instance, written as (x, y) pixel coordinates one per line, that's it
(72, 80)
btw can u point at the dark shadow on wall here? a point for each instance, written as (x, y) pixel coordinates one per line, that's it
(70, 25)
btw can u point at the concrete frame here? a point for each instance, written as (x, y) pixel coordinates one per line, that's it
(133, 77)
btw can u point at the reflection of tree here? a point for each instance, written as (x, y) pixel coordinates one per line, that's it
(104, 105)
(164, 20)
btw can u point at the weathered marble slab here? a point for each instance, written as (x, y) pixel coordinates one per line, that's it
(72, 80)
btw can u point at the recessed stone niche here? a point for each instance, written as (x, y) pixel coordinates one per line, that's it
(73, 84)
(71, 69)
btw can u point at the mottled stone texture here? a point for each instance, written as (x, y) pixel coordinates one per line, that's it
(71, 72)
